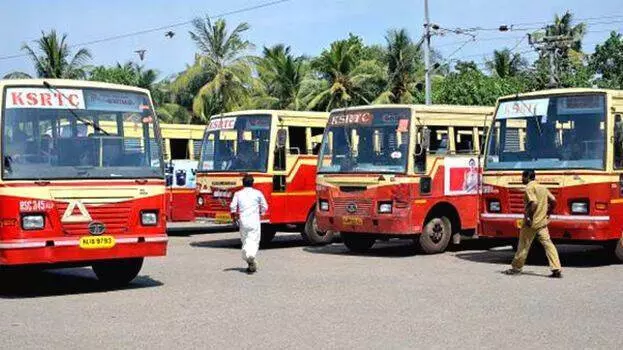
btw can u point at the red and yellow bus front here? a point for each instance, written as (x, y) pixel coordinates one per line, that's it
(233, 145)
(567, 136)
(82, 176)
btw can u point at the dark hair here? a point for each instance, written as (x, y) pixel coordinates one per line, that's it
(529, 174)
(247, 180)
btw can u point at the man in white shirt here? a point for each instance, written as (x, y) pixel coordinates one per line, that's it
(246, 207)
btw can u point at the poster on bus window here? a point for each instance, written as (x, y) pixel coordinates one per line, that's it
(462, 175)
(181, 174)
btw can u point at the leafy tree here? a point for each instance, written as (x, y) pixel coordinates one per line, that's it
(607, 62)
(221, 67)
(506, 64)
(129, 73)
(347, 74)
(404, 68)
(54, 58)
(281, 77)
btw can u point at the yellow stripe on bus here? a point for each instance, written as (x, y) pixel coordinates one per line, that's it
(300, 193)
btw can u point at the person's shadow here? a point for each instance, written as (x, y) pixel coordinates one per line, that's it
(236, 269)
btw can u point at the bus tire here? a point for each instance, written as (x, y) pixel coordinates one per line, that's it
(618, 250)
(267, 235)
(357, 243)
(312, 235)
(118, 272)
(435, 235)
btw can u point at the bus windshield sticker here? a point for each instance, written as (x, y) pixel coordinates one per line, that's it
(403, 125)
(582, 104)
(228, 123)
(522, 108)
(258, 124)
(114, 101)
(44, 98)
(363, 118)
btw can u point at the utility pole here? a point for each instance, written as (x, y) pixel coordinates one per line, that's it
(427, 72)
(551, 46)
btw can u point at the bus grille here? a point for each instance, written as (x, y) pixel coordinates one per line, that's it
(217, 205)
(364, 206)
(515, 200)
(114, 216)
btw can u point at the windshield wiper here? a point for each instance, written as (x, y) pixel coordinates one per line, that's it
(536, 120)
(78, 118)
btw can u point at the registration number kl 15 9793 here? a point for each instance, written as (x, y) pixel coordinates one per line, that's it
(223, 218)
(97, 242)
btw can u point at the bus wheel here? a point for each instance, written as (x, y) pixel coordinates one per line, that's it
(436, 235)
(118, 272)
(268, 234)
(357, 243)
(618, 250)
(312, 235)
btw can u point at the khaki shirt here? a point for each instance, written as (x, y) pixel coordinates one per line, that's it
(538, 194)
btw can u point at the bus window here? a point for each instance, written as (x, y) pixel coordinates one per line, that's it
(298, 140)
(439, 140)
(179, 148)
(618, 142)
(316, 134)
(279, 164)
(464, 140)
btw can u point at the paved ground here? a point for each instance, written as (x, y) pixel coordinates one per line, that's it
(321, 297)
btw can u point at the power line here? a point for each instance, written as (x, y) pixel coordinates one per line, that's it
(156, 29)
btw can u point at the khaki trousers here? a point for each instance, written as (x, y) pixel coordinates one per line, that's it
(526, 236)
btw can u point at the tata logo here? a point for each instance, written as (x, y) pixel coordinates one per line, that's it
(76, 212)
(351, 208)
(96, 228)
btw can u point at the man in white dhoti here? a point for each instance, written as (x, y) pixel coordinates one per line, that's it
(246, 207)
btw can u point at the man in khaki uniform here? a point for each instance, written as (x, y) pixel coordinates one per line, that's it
(539, 203)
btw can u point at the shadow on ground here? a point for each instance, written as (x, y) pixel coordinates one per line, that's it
(396, 248)
(279, 242)
(185, 231)
(25, 283)
(570, 256)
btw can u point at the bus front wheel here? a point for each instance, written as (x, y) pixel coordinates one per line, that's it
(618, 250)
(312, 235)
(118, 272)
(435, 235)
(357, 243)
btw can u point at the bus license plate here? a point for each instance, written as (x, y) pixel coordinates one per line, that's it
(223, 218)
(352, 221)
(97, 242)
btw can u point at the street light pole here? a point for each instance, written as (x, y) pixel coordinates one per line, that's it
(427, 87)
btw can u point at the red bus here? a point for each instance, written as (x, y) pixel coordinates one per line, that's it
(82, 177)
(573, 139)
(279, 148)
(395, 171)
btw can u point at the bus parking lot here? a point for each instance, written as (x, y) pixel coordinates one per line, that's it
(198, 296)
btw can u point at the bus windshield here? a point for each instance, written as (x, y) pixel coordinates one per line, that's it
(78, 133)
(550, 132)
(370, 141)
(237, 143)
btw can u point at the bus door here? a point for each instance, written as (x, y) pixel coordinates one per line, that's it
(280, 167)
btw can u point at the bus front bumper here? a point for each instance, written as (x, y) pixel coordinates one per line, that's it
(396, 224)
(561, 227)
(67, 249)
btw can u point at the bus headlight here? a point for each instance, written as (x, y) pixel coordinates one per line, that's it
(494, 206)
(149, 218)
(200, 201)
(323, 205)
(579, 207)
(385, 207)
(33, 222)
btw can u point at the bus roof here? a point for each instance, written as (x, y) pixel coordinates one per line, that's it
(69, 83)
(426, 108)
(282, 113)
(562, 91)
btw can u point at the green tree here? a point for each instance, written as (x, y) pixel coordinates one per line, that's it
(404, 68)
(506, 64)
(53, 58)
(221, 67)
(349, 78)
(129, 73)
(607, 62)
(281, 78)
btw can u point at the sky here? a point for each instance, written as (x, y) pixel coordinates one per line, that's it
(307, 26)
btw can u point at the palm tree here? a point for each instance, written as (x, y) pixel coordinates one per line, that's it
(403, 68)
(281, 76)
(346, 76)
(505, 63)
(55, 59)
(563, 26)
(222, 67)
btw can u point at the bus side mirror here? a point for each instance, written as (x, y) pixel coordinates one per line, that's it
(282, 135)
